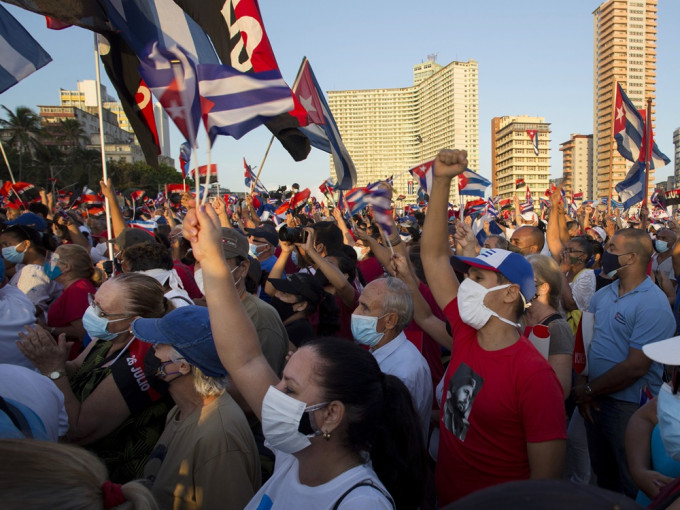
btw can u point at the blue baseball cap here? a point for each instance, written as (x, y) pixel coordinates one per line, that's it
(512, 265)
(29, 219)
(187, 329)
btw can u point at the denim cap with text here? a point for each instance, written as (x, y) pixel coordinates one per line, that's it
(187, 329)
(513, 266)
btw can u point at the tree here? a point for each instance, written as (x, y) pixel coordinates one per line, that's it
(127, 176)
(26, 128)
(72, 132)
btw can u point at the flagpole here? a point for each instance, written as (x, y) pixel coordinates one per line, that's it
(11, 175)
(648, 147)
(259, 170)
(105, 175)
(611, 148)
(208, 172)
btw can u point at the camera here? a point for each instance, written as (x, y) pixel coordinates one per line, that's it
(293, 235)
(107, 265)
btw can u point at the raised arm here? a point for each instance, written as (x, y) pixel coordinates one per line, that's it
(279, 267)
(434, 250)
(553, 233)
(235, 336)
(117, 220)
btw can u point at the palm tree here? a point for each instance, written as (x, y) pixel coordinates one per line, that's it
(72, 132)
(26, 128)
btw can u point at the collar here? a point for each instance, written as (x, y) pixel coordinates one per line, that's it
(390, 347)
(643, 287)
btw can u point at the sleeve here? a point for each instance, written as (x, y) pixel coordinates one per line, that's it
(583, 289)
(134, 376)
(561, 338)
(653, 321)
(542, 406)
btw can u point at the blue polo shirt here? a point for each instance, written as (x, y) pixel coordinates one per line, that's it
(639, 317)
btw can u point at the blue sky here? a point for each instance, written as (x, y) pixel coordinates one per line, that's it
(535, 57)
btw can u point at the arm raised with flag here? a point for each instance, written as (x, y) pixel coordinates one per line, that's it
(434, 242)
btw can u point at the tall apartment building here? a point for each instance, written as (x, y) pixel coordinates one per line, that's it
(388, 131)
(577, 165)
(624, 52)
(513, 156)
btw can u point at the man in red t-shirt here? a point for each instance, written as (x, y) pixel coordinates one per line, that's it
(502, 407)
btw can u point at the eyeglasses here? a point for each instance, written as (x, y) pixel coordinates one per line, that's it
(100, 312)
(569, 250)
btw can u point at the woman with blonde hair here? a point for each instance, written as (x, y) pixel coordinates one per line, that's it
(39, 474)
(116, 405)
(71, 266)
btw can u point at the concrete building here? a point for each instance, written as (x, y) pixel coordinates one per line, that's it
(625, 52)
(388, 131)
(577, 165)
(676, 159)
(513, 156)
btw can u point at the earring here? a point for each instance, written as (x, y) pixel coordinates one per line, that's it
(327, 435)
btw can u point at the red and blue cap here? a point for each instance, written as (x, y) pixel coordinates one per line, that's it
(512, 265)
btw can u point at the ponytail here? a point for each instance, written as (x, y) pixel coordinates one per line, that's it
(380, 415)
(398, 454)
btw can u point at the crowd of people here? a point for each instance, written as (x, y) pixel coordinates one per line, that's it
(322, 361)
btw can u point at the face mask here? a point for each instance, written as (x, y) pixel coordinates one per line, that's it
(471, 306)
(11, 254)
(282, 421)
(161, 373)
(198, 278)
(96, 325)
(255, 249)
(668, 411)
(52, 271)
(360, 252)
(284, 309)
(364, 330)
(661, 246)
(610, 264)
(405, 238)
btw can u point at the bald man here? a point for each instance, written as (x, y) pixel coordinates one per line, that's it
(528, 240)
(629, 313)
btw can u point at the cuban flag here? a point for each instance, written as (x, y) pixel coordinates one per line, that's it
(184, 158)
(578, 196)
(249, 176)
(327, 187)
(20, 54)
(657, 199)
(526, 207)
(474, 207)
(533, 135)
(491, 209)
(629, 132)
(424, 173)
(234, 102)
(471, 183)
(321, 128)
(632, 189)
(617, 205)
(410, 187)
(148, 226)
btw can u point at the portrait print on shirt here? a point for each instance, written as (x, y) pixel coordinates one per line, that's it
(464, 386)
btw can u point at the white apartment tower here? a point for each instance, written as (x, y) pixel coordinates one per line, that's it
(514, 158)
(624, 52)
(388, 131)
(577, 165)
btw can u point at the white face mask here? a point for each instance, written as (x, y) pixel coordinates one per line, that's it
(471, 306)
(198, 278)
(668, 411)
(360, 253)
(281, 416)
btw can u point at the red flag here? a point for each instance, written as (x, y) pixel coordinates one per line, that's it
(55, 24)
(176, 188)
(282, 208)
(145, 106)
(519, 183)
(137, 195)
(300, 198)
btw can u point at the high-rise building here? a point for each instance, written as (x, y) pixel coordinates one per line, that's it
(577, 165)
(513, 156)
(624, 52)
(676, 159)
(388, 131)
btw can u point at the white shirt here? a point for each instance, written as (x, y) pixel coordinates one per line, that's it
(402, 359)
(284, 490)
(16, 311)
(583, 288)
(32, 281)
(38, 393)
(665, 267)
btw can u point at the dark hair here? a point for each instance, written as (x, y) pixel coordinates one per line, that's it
(329, 316)
(41, 242)
(39, 208)
(328, 234)
(145, 256)
(381, 418)
(584, 245)
(346, 264)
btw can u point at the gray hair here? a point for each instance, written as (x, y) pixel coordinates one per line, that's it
(398, 299)
(205, 386)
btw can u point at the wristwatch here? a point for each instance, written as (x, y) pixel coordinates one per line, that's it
(56, 374)
(588, 390)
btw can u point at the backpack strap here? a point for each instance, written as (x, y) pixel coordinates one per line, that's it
(553, 317)
(364, 483)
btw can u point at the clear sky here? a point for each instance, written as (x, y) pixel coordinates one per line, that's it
(535, 58)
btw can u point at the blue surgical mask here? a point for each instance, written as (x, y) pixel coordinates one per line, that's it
(364, 330)
(96, 325)
(52, 271)
(252, 249)
(11, 254)
(661, 246)
(668, 411)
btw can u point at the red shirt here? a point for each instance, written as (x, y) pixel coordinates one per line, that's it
(371, 269)
(71, 304)
(187, 277)
(493, 404)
